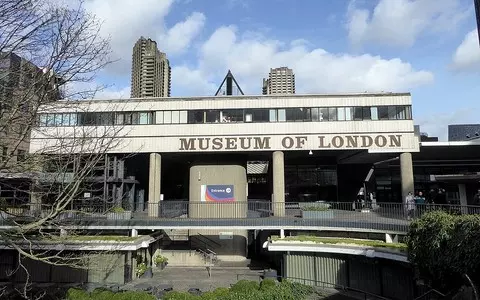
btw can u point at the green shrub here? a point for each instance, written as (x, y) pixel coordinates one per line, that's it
(77, 294)
(314, 206)
(159, 259)
(218, 293)
(175, 295)
(444, 247)
(118, 209)
(245, 286)
(268, 284)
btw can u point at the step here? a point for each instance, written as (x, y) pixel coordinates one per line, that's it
(184, 258)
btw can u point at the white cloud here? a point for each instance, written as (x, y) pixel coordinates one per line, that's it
(467, 55)
(124, 21)
(179, 37)
(317, 70)
(402, 22)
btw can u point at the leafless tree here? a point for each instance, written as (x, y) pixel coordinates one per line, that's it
(48, 52)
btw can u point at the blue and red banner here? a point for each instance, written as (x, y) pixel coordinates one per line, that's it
(217, 193)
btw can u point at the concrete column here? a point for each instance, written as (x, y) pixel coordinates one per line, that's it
(282, 233)
(278, 200)
(154, 181)
(134, 233)
(406, 173)
(462, 191)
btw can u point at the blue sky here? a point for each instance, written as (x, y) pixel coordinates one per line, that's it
(426, 47)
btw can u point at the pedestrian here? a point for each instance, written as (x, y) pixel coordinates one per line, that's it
(410, 205)
(420, 203)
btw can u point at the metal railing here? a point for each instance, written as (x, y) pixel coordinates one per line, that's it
(379, 216)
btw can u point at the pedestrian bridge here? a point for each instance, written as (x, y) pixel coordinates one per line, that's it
(259, 215)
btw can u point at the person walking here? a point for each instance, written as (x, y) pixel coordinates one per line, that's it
(410, 205)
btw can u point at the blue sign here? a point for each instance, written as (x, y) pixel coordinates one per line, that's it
(217, 193)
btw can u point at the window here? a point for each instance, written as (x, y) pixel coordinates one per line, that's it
(21, 155)
(159, 117)
(4, 153)
(183, 117)
(305, 114)
(232, 115)
(175, 117)
(374, 113)
(332, 114)
(341, 113)
(367, 113)
(119, 118)
(349, 113)
(392, 112)
(167, 117)
(195, 117)
(358, 113)
(257, 115)
(272, 117)
(213, 116)
(73, 120)
(323, 114)
(291, 114)
(282, 115)
(383, 112)
(145, 118)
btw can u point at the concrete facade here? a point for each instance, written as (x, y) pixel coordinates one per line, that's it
(280, 81)
(151, 72)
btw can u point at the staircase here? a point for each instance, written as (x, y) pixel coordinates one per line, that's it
(177, 234)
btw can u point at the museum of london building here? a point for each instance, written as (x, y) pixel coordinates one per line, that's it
(277, 148)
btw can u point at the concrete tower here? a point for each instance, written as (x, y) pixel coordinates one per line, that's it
(280, 81)
(151, 72)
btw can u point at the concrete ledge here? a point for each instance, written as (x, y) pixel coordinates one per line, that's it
(372, 252)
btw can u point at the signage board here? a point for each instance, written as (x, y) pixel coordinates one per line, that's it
(225, 235)
(217, 193)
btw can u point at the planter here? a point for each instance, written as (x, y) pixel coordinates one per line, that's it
(126, 215)
(148, 274)
(312, 214)
(162, 266)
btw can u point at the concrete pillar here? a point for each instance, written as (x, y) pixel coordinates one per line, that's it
(391, 238)
(278, 200)
(282, 233)
(462, 191)
(134, 233)
(154, 181)
(406, 173)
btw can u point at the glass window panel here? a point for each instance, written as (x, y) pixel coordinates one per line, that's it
(143, 118)
(291, 114)
(401, 113)
(73, 119)
(175, 117)
(315, 114)
(213, 116)
(260, 115)
(306, 114)
(383, 112)
(248, 117)
(231, 115)
(195, 116)
(367, 113)
(408, 112)
(323, 114)
(282, 115)
(58, 119)
(159, 117)
(272, 117)
(135, 118)
(66, 120)
(43, 120)
(358, 113)
(341, 113)
(332, 114)
(183, 117)
(392, 112)
(374, 112)
(167, 117)
(349, 113)
(120, 118)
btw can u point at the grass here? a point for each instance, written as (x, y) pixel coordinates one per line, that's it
(345, 241)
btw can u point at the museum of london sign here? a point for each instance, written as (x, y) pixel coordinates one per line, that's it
(290, 142)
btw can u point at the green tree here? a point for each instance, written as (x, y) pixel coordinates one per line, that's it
(445, 248)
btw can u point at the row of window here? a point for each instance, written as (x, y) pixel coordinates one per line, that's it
(21, 154)
(256, 115)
